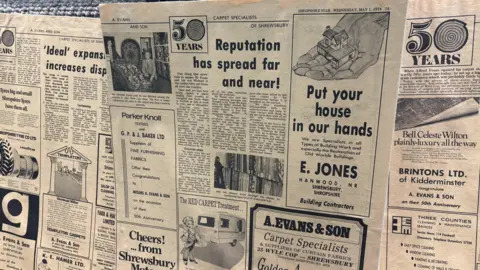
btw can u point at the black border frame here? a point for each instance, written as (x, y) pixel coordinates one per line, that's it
(378, 117)
(259, 206)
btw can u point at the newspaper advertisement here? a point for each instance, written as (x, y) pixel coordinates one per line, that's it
(433, 194)
(251, 135)
(57, 189)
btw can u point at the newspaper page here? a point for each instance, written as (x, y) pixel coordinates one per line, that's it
(432, 217)
(56, 162)
(251, 135)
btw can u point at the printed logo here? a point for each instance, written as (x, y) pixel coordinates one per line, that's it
(189, 34)
(7, 41)
(439, 41)
(402, 225)
(19, 214)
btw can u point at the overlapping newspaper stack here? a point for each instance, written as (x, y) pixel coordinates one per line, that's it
(202, 135)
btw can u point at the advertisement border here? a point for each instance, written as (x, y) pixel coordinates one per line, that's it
(315, 214)
(98, 170)
(378, 117)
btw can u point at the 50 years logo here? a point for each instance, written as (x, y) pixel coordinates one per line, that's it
(189, 34)
(7, 41)
(439, 41)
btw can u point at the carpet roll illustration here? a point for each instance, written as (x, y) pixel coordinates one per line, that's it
(416, 112)
(16, 165)
(451, 36)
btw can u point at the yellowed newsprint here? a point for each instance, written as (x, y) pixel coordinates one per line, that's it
(251, 135)
(56, 164)
(432, 216)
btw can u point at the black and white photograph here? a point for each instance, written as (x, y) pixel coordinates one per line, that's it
(108, 145)
(15, 164)
(140, 62)
(248, 173)
(415, 112)
(340, 48)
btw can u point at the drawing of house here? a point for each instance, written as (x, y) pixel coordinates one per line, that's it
(335, 46)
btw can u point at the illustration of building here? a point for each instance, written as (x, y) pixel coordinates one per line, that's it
(68, 175)
(335, 46)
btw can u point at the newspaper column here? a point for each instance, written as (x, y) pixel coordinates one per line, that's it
(252, 135)
(433, 205)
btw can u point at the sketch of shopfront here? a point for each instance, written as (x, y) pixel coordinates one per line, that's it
(68, 175)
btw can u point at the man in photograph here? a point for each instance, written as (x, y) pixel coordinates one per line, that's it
(148, 67)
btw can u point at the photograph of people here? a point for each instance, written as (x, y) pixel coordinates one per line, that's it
(148, 67)
(249, 173)
(219, 181)
(139, 62)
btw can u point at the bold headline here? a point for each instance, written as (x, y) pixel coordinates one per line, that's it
(152, 246)
(334, 96)
(75, 68)
(427, 138)
(307, 227)
(210, 203)
(264, 64)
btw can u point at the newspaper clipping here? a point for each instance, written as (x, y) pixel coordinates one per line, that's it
(433, 203)
(250, 135)
(57, 188)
